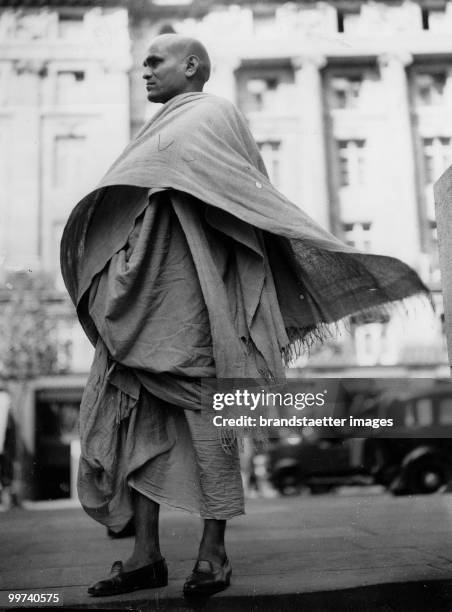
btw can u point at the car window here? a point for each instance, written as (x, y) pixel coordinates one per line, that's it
(445, 411)
(410, 419)
(396, 410)
(424, 411)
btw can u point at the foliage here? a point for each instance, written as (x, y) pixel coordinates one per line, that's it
(29, 344)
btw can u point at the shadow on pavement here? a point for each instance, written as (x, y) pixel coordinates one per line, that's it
(432, 596)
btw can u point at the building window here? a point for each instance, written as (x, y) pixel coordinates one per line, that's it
(70, 24)
(69, 157)
(429, 88)
(432, 17)
(69, 86)
(437, 157)
(358, 235)
(346, 91)
(263, 19)
(348, 19)
(271, 153)
(264, 88)
(351, 163)
(369, 343)
(258, 90)
(433, 232)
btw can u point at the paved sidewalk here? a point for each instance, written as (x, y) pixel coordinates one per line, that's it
(366, 552)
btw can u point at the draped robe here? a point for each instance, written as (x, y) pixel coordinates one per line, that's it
(186, 263)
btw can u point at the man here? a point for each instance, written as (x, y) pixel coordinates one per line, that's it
(187, 264)
(7, 450)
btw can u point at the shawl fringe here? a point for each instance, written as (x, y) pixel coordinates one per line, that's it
(302, 339)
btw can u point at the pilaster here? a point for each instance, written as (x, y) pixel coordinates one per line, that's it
(312, 167)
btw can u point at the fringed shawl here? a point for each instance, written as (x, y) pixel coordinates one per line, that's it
(200, 145)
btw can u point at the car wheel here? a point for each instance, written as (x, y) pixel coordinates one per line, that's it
(425, 476)
(290, 490)
(289, 485)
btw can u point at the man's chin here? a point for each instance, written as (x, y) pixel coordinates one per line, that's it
(153, 97)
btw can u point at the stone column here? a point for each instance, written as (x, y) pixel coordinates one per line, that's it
(24, 247)
(314, 198)
(443, 205)
(398, 170)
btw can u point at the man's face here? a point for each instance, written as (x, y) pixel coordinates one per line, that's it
(164, 73)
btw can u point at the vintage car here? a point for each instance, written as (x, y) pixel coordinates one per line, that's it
(302, 460)
(415, 456)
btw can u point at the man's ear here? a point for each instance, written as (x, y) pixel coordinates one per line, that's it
(191, 66)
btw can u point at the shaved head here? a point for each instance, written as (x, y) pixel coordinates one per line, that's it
(185, 47)
(175, 64)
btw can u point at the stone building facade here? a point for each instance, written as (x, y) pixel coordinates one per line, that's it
(64, 113)
(349, 102)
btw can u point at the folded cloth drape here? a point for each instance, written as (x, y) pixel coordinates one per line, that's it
(176, 290)
(199, 144)
(185, 299)
(133, 439)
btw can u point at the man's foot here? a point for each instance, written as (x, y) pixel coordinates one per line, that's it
(212, 551)
(208, 578)
(149, 576)
(140, 559)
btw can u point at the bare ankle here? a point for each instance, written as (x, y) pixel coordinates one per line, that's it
(138, 560)
(215, 553)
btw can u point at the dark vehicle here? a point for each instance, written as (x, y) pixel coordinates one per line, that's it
(416, 458)
(306, 460)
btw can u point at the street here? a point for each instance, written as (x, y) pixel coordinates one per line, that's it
(341, 552)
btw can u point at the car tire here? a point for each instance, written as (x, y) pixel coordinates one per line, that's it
(425, 476)
(289, 484)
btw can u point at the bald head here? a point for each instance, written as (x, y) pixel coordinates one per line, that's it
(186, 47)
(175, 64)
